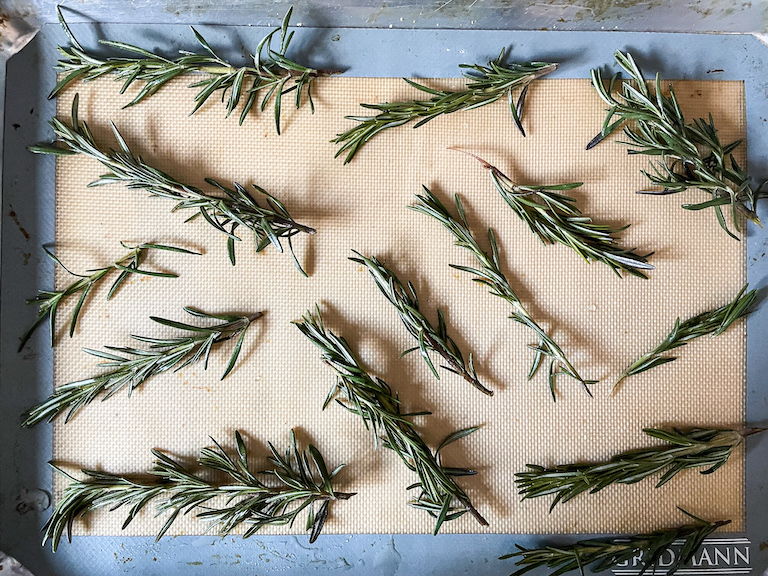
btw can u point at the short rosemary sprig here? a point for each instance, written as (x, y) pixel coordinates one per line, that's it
(707, 448)
(489, 274)
(713, 322)
(373, 400)
(136, 366)
(691, 154)
(225, 213)
(296, 482)
(272, 74)
(604, 554)
(487, 85)
(554, 218)
(48, 301)
(428, 337)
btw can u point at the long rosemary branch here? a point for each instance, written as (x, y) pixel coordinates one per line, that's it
(225, 213)
(713, 322)
(296, 482)
(428, 337)
(554, 218)
(604, 554)
(489, 274)
(48, 301)
(707, 448)
(373, 400)
(136, 366)
(272, 74)
(691, 154)
(487, 85)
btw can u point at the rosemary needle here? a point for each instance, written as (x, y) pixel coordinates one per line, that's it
(296, 482)
(487, 85)
(603, 554)
(489, 274)
(48, 301)
(373, 400)
(225, 213)
(272, 74)
(555, 219)
(136, 366)
(712, 322)
(428, 337)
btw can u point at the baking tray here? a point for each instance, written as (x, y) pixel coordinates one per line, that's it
(28, 223)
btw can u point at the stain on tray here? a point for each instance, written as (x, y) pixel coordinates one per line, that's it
(15, 219)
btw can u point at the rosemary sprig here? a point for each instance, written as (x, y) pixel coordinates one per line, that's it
(298, 481)
(489, 274)
(707, 448)
(712, 322)
(603, 554)
(48, 301)
(554, 218)
(373, 400)
(691, 154)
(272, 74)
(428, 337)
(136, 366)
(225, 213)
(487, 85)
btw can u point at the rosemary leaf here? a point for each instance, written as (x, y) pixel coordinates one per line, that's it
(707, 448)
(712, 322)
(272, 75)
(131, 367)
(289, 487)
(489, 274)
(48, 301)
(691, 154)
(428, 337)
(487, 85)
(236, 207)
(603, 554)
(554, 218)
(373, 400)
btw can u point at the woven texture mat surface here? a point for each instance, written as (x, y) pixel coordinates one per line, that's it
(601, 321)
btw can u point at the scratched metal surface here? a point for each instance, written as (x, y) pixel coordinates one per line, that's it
(24, 379)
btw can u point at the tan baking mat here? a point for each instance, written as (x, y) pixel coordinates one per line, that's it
(603, 322)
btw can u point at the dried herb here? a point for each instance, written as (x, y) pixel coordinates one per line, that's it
(487, 85)
(707, 448)
(373, 400)
(225, 213)
(429, 338)
(136, 365)
(298, 481)
(712, 322)
(489, 274)
(554, 218)
(603, 554)
(690, 154)
(48, 301)
(270, 78)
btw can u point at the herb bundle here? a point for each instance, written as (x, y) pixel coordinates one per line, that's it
(712, 322)
(554, 218)
(290, 487)
(373, 400)
(272, 74)
(48, 301)
(489, 274)
(603, 554)
(225, 213)
(429, 338)
(691, 154)
(487, 85)
(707, 448)
(136, 365)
